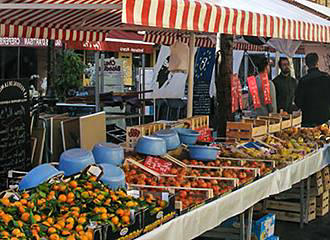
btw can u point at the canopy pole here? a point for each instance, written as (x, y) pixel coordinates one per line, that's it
(97, 81)
(191, 75)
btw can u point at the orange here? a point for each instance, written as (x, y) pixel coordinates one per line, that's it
(125, 219)
(25, 195)
(46, 223)
(54, 236)
(104, 216)
(61, 223)
(4, 234)
(114, 198)
(58, 226)
(50, 220)
(70, 195)
(51, 230)
(79, 228)
(16, 232)
(20, 223)
(100, 197)
(90, 235)
(35, 227)
(7, 218)
(103, 210)
(71, 237)
(6, 202)
(115, 220)
(75, 209)
(85, 195)
(25, 217)
(24, 201)
(107, 202)
(21, 209)
(70, 220)
(73, 184)
(81, 220)
(65, 233)
(62, 188)
(30, 205)
(120, 212)
(18, 204)
(37, 218)
(69, 226)
(62, 198)
(14, 238)
(56, 187)
(75, 214)
(92, 179)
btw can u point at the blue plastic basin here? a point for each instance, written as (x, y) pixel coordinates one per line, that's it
(187, 136)
(171, 138)
(151, 146)
(108, 153)
(38, 175)
(203, 153)
(75, 160)
(113, 176)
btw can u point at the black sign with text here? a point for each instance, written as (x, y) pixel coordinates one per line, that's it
(15, 146)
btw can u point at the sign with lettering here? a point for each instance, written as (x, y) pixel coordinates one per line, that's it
(15, 146)
(253, 89)
(158, 165)
(26, 42)
(265, 87)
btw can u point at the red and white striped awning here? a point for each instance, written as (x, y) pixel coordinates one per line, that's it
(238, 17)
(90, 20)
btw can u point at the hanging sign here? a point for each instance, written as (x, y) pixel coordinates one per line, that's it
(253, 88)
(265, 87)
(234, 93)
(239, 93)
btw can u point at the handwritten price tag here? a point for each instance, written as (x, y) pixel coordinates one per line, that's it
(158, 165)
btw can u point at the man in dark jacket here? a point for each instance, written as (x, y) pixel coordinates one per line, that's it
(285, 87)
(313, 94)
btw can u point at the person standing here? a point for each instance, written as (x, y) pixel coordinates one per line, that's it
(285, 87)
(313, 94)
(262, 65)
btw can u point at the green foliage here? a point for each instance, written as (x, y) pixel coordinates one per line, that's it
(70, 71)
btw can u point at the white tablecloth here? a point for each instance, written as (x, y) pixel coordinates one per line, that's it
(200, 220)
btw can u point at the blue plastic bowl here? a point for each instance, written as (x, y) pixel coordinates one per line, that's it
(113, 177)
(75, 160)
(108, 153)
(171, 138)
(38, 175)
(151, 146)
(187, 136)
(203, 153)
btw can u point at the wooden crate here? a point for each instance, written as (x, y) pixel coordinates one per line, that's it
(326, 179)
(197, 122)
(135, 132)
(286, 120)
(296, 119)
(247, 129)
(273, 123)
(322, 204)
(290, 211)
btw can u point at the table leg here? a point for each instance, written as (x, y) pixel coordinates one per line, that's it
(242, 226)
(307, 199)
(249, 224)
(302, 204)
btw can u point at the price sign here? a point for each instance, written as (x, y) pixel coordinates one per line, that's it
(158, 165)
(265, 87)
(253, 88)
(234, 81)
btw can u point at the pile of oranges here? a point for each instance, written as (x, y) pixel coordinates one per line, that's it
(66, 210)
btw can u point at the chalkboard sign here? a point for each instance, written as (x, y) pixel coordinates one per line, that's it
(15, 145)
(204, 62)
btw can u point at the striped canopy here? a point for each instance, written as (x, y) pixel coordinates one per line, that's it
(90, 20)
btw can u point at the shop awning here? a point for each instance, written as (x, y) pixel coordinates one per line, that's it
(276, 18)
(86, 20)
(321, 10)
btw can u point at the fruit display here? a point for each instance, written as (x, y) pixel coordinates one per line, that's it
(65, 210)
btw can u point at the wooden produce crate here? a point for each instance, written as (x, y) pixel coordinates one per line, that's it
(247, 129)
(290, 210)
(296, 119)
(322, 204)
(273, 123)
(197, 122)
(286, 120)
(135, 132)
(326, 179)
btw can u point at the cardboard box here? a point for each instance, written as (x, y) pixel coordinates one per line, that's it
(264, 227)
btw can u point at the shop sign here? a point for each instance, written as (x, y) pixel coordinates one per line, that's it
(158, 165)
(234, 81)
(26, 42)
(265, 87)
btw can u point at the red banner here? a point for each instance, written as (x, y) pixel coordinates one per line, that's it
(234, 94)
(253, 88)
(157, 164)
(265, 87)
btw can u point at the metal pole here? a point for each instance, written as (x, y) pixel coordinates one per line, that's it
(97, 81)
(277, 58)
(242, 227)
(19, 62)
(249, 226)
(191, 76)
(246, 65)
(102, 73)
(143, 85)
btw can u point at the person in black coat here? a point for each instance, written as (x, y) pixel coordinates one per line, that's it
(285, 87)
(313, 94)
